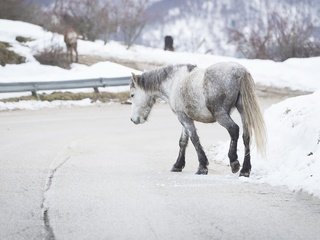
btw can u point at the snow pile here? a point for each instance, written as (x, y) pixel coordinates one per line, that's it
(293, 151)
(36, 105)
(33, 71)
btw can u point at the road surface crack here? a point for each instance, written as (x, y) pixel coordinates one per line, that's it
(49, 233)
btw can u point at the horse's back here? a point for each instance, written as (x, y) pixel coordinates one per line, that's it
(222, 85)
(225, 74)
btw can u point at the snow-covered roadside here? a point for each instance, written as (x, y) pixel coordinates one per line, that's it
(32, 70)
(293, 150)
(295, 74)
(36, 105)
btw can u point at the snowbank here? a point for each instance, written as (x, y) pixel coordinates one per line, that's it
(293, 151)
(33, 71)
(295, 74)
(36, 105)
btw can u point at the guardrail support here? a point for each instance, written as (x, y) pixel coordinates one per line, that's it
(35, 94)
(96, 90)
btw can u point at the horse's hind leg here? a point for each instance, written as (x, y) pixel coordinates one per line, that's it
(183, 143)
(226, 121)
(188, 124)
(246, 167)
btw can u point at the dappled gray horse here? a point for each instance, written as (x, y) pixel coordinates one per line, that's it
(204, 95)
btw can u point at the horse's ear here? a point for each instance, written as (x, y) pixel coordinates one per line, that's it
(134, 78)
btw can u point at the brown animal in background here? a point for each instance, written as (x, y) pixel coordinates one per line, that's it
(71, 38)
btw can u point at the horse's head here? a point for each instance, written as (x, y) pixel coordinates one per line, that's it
(142, 101)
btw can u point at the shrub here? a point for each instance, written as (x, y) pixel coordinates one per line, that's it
(54, 56)
(278, 39)
(22, 39)
(8, 56)
(102, 97)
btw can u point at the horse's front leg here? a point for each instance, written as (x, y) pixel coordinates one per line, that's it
(188, 124)
(183, 143)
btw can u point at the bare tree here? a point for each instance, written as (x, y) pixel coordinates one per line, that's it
(91, 18)
(253, 44)
(292, 38)
(22, 10)
(108, 21)
(279, 37)
(96, 19)
(132, 19)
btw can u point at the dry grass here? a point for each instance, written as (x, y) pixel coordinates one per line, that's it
(102, 97)
(22, 39)
(8, 56)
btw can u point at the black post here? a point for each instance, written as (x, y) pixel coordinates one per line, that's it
(168, 43)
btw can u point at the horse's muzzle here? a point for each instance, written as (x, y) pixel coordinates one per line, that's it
(135, 121)
(138, 120)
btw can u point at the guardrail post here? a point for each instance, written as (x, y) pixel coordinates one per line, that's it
(96, 90)
(35, 94)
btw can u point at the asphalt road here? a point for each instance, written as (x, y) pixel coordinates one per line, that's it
(89, 173)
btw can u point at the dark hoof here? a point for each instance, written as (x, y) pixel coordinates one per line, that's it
(202, 171)
(235, 166)
(175, 169)
(244, 174)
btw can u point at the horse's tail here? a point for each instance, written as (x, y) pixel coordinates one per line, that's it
(253, 118)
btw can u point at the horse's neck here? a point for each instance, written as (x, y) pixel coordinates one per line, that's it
(172, 83)
(165, 90)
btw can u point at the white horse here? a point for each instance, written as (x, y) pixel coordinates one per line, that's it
(204, 95)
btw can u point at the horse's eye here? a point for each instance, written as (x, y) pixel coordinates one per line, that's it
(132, 95)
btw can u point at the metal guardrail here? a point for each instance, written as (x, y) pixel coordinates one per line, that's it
(33, 87)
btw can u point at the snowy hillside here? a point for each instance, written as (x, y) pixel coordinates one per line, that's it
(32, 70)
(295, 74)
(202, 26)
